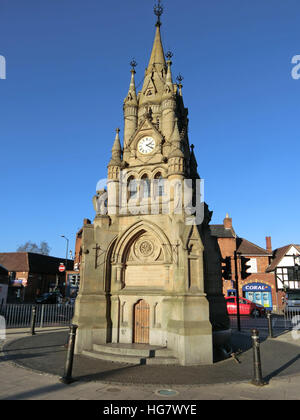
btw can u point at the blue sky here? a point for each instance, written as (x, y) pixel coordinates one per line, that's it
(68, 73)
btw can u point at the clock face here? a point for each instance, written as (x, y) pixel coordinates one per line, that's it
(146, 145)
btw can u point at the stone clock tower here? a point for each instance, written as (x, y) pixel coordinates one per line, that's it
(151, 271)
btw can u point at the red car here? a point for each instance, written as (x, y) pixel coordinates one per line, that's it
(246, 307)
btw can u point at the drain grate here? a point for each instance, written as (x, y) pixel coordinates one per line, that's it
(112, 390)
(166, 392)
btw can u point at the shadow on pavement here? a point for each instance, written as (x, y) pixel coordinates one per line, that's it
(282, 368)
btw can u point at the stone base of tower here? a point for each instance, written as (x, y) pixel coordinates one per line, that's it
(189, 331)
(185, 330)
(93, 326)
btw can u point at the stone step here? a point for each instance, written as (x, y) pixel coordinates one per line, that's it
(118, 358)
(133, 350)
(130, 359)
(159, 360)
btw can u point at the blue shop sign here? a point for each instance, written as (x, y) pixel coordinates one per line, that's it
(257, 287)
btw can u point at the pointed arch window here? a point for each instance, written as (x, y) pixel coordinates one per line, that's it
(145, 187)
(132, 187)
(159, 183)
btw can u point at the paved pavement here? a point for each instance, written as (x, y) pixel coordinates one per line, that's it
(19, 383)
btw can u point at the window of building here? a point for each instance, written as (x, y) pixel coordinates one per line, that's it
(159, 183)
(132, 188)
(145, 187)
(288, 277)
(253, 265)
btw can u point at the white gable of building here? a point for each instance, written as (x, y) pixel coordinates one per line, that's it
(288, 260)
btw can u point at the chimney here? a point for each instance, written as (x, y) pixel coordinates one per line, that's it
(268, 244)
(227, 222)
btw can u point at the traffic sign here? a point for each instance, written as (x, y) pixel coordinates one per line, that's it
(61, 268)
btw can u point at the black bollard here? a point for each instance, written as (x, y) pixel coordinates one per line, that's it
(67, 378)
(269, 316)
(33, 319)
(257, 377)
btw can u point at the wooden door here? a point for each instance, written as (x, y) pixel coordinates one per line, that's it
(141, 322)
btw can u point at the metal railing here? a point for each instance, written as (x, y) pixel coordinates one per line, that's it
(281, 321)
(292, 318)
(19, 315)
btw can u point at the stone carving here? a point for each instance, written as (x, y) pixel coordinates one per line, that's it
(100, 202)
(146, 248)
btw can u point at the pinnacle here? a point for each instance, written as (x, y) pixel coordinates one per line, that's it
(176, 141)
(168, 90)
(116, 151)
(131, 98)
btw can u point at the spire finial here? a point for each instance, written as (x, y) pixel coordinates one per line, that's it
(133, 64)
(169, 56)
(180, 79)
(158, 11)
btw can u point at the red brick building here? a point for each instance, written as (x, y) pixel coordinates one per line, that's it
(32, 274)
(260, 286)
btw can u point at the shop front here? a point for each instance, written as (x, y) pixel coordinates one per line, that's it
(259, 293)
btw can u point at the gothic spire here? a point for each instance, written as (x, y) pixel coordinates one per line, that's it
(131, 98)
(155, 75)
(157, 59)
(116, 151)
(168, 90)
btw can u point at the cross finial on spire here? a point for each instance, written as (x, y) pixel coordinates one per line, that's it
(179, 78)
(169, 55)
(118, 130)
(158, 11)
(133, 64)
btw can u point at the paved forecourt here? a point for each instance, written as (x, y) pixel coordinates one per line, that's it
(43, 357)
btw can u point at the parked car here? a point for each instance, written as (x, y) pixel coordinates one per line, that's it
(292, 302)
(247, 307)
(48, 298)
